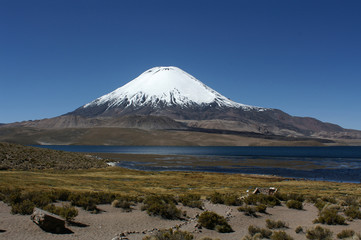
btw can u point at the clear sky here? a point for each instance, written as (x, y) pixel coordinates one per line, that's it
(300, 56)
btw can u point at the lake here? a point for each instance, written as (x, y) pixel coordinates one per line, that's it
(342, 164)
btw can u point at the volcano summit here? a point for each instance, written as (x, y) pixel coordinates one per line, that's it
(160, 91)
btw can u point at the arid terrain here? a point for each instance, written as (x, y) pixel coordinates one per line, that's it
(114, 201)
(113, 221)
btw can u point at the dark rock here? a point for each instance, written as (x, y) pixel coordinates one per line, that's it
(49, 222)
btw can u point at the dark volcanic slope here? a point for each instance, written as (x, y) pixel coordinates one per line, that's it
(76, 121)
(265, 121)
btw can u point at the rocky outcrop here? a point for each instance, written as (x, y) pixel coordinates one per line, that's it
(49, 222)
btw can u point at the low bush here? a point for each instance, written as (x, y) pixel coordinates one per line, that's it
(319, 204)
(351, 201)
(191, 200)
(261, 208)
(346, 233)
(299, 229)
(170, 235)
(290, 196)
(330, 216)
(84, 200)
(262, 232)
(67, 211)
(213, 221)
(12, 196)
(123, 204)
(248, 210)
(294, 204)
(319, 233)
(271, 224)
(161, 205)
(232, 200)
(353, 212)
(216, 198)
(62, 195)
(40, 199)
(208, 238)
(227, 199)
(280, 235)
(329, 199)
(257, 236)
(25, 207)
(256, 199)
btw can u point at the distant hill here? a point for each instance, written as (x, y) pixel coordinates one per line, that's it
(15, 156)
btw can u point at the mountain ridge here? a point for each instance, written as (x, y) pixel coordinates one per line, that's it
(167, 98)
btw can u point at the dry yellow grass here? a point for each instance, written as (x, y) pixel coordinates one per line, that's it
(125, 181)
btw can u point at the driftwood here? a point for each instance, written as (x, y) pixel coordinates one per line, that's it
(266, 191)
(49, 222)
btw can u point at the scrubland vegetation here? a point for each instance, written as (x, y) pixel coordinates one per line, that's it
(86, 184)
(14, 156)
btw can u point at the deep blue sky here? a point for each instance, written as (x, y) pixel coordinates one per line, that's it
(303, 57)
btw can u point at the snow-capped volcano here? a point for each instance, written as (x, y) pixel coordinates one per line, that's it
(169, 99)
(164, 86)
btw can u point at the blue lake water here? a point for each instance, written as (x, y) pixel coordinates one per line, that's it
(316, 163)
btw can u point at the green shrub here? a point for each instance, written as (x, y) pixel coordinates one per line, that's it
(271, 224)
(25, 207)
(264, 233)
(102, 197)
(191, 200)
(296, 197)
(62, 195)
(353, 212)
(211, 220)
(232, 200)
(330, 216)
(216, 198)
(257, 236)
(12, 196)
(280, 235)
(227, 199)
(170, 235)
(299, 229)
(40, 199)
(248, 211)
(208, 238)
(329, 199)
(319, 233)
(347, 233)
(66, 211)
(295, 204)
(84, 200)
(122, 203)
(290, 196)
(261, 208)
(255, 199)
(224, 228)
(351, 201)
(161, 205)
(312, 198)
(320, 204)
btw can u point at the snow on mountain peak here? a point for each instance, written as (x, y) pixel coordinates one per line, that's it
(167, 86)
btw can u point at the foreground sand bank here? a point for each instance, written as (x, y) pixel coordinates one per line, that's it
(113, 221)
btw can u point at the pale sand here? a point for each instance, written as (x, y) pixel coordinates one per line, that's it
(112, 221)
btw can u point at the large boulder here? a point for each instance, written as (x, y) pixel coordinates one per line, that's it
(49, 222)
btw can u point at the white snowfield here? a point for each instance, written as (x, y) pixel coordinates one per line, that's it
(168, 86)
